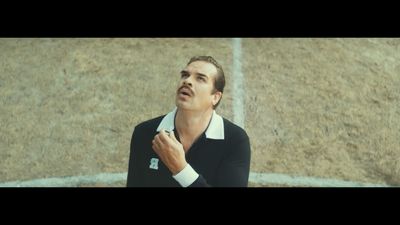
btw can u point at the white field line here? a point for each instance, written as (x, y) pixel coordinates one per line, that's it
(257, 178)
(108, 178)
(238, 90)
(302, 181)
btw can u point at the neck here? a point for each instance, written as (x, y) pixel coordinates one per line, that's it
(192, 124)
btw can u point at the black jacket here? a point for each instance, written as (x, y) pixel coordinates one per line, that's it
(219, 163)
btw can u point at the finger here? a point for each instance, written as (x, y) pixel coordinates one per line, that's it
(163, 142)
(155, 145)
(164, 137)
(158, 140)
(164, 132)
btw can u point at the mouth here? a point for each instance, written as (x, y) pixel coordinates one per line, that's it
(185, 92)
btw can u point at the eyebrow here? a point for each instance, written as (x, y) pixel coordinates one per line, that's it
(198, 74)
(202, 75)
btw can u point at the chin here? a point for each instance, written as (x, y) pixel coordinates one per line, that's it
(182, 105)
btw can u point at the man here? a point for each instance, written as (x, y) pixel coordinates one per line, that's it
(192, 146)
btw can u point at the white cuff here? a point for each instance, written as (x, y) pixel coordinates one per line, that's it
(187, 176)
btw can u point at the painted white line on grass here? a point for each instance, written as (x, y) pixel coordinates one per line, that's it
(283, 179)
(257, 178)
(238, 90)
(108, 178)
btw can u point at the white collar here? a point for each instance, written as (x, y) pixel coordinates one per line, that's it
(214, 131)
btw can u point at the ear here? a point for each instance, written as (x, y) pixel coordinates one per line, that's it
(216, 97)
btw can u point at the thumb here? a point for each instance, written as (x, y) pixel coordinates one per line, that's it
(172, 135)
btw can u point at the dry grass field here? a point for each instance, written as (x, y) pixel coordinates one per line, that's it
(327, 108)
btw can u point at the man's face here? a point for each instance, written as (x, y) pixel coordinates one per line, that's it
(196, 86)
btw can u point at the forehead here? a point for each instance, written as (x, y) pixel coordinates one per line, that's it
(202, 67)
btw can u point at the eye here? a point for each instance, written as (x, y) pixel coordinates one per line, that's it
(201, 78)
(183, 75)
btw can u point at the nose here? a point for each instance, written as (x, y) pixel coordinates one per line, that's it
(188, 81)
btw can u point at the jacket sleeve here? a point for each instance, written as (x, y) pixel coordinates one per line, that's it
(133, 178)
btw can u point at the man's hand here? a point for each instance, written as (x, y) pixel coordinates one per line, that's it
(170, 151)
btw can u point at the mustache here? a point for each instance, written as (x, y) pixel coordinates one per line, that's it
(187, 87)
